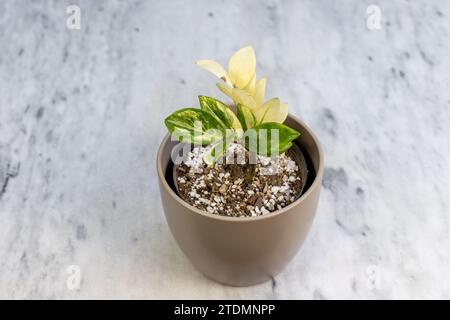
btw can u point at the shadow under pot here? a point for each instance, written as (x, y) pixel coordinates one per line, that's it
(244, 251)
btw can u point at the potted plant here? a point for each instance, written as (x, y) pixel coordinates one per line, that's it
(240, 183)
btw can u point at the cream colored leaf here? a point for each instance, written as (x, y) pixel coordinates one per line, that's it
(271, 111)
(276, 114)
(260, 90)
(250, 87)
(283, 113)
(242, 97)
(237, 95)
(241, 67)
(261, 111)
(216, 69)
(225, 89)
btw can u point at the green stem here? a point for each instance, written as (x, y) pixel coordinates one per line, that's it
(250, 173)
(250, 170)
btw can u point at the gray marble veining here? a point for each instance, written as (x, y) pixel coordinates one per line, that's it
(81, 117)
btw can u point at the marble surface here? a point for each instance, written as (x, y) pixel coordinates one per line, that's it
(81, 116)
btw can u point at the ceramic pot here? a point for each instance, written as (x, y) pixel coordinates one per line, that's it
(248, 250)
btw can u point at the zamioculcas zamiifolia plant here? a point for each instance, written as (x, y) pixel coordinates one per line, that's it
(257, 125)
(239, 186)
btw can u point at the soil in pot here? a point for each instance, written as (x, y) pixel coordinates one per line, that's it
(231, 189)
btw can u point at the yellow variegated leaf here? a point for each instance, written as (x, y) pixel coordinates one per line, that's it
(237, 95)
(215, 152)
(276, 138)
(225, 89)
(218, 148)
(261, 111)
(260, 90)
(241, 67)
(216, 69)
(271, 111)
(250, 87)
(246, 117)
(242, 97)
(220, 111)
(236, 125)
(277, 113)
(283, 113)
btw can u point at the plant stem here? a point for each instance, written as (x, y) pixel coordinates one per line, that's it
(250, 173)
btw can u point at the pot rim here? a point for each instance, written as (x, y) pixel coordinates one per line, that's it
(273, 214)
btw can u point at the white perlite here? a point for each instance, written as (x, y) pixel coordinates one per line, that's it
(194, 160)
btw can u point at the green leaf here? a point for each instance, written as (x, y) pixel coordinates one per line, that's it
(262, 138)
(245, 116)
(195, 126)
(220, 111)
(218, 148)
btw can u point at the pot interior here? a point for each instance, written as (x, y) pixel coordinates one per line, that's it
(297, 152)
(294, 152)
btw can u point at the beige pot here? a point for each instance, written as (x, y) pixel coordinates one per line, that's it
(242, 251)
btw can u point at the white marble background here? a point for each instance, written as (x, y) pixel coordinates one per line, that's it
(81, 117)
